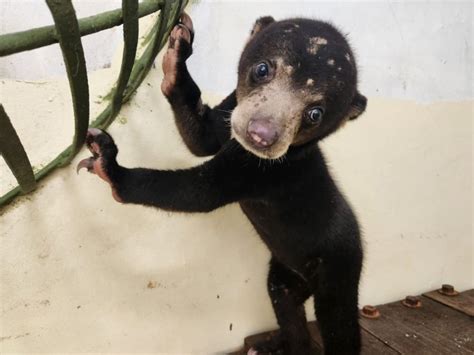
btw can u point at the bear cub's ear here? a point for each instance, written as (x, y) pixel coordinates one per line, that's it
(358, 105)
(261, 23)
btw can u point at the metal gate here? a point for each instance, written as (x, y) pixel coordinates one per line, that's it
(67, 31)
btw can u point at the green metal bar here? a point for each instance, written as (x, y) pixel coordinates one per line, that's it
(17, 42)
(161, 32)
(139, 68)
(162, 29)
(144, 63)
(137, 76)
(69, 37)
(130, 38)
(10, 195)
(14, 154)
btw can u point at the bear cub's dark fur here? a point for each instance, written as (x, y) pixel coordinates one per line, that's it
(297, 83)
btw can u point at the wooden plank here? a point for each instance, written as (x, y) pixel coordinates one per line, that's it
(443, 325)
(370, 344)
(463, 302)
(257, 338)
(431, 329)
(373, 346)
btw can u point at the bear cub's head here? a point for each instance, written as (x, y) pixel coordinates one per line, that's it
(297, 83)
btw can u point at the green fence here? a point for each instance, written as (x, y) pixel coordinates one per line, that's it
(67, 31)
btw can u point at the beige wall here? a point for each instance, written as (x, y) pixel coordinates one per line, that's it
(75, 265)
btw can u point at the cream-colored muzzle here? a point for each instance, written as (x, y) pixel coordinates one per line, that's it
(276, 105)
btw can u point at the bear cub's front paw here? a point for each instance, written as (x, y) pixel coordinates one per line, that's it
(179, 49)
(103, 161)
(104, 152)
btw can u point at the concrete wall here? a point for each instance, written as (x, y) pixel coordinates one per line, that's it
(413, 50)
(46, 62)
(81, 273)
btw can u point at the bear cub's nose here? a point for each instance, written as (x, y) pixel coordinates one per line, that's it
(262, 133)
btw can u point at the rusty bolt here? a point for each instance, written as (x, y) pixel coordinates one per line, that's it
(411, 302)
(448, 290)
(370, 312)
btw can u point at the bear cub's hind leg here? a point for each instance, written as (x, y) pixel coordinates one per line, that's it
(288, 292)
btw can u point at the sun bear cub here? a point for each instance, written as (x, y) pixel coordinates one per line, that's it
(297, 83)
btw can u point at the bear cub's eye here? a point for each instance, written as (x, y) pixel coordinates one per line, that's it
(315, 115)
(261, 71)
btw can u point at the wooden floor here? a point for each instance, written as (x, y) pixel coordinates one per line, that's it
(432, 323)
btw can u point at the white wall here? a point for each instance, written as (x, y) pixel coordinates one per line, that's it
(47, 62)
(419, 50)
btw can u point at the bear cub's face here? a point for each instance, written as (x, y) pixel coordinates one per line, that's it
(297, 83)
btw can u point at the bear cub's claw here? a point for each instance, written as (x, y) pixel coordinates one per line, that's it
(104, 152)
